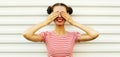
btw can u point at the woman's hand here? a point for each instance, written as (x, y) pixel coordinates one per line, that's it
(67, 17)
(51, 17)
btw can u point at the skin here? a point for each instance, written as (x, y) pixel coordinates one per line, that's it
(60, 16)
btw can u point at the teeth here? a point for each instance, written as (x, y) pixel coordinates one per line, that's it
(59, 20)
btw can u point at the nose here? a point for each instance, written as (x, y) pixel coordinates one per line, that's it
(59, 14)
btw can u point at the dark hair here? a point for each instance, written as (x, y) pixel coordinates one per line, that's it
(50, 8)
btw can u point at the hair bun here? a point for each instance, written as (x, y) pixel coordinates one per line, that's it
(49, 9)
(70, 10)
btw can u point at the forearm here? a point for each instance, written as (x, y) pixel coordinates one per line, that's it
(86, 29)
(35, 28)
(48, 20)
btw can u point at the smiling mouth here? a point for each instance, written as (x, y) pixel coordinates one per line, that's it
(59, 19)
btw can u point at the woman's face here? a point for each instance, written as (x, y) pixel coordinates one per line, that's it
(59, 20)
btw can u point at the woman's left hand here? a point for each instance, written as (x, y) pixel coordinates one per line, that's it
(67, 17)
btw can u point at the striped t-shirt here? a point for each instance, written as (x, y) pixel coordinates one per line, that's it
(59, 45)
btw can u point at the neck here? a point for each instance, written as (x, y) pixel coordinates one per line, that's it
(60, 30)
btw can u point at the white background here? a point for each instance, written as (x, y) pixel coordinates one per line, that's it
(18, 15)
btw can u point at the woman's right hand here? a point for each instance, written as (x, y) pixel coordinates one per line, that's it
(51, 17)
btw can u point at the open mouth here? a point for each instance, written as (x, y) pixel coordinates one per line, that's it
(59, 19)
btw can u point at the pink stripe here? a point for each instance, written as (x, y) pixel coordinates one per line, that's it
(59, 44)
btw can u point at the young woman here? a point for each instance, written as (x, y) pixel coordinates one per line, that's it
(60, 42)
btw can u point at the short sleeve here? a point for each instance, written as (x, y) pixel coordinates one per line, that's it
(77, 35)
(43, 35)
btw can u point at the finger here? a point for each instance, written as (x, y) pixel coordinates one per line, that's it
(66, 16)
(55, 13)
(62, 14)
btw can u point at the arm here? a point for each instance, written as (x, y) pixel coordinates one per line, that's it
(30, 33)
(90, 33)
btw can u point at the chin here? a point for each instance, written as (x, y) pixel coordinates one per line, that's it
(60, 24)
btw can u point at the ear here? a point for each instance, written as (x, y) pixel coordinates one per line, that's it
(70, 10)
(49, 10)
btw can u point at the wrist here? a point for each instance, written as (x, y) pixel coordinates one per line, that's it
(71, 22)
(48, 21)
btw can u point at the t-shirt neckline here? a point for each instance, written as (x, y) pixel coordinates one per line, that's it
(60, 35)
